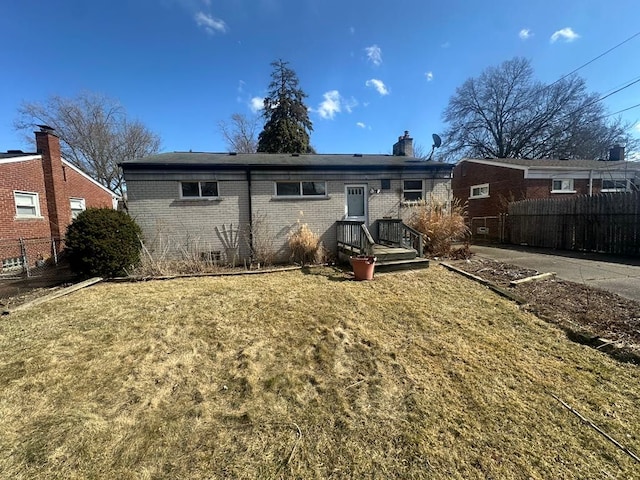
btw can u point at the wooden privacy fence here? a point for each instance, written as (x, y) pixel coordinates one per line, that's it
(607, 223)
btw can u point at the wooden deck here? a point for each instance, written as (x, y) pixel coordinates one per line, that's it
(393, 258)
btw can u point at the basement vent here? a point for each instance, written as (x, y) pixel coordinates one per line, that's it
(357, 155)
(233, 153)
(214, 256)
(295, 154)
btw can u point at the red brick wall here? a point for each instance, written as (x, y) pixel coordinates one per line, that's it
(57, 198)
(54, 182)
(24, 176)
(78, 186)
(505, 184)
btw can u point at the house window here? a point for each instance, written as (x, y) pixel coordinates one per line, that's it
(27, 204)
(614, 186)
(562, 185)
(77, 206)
(199, 189)
(12, 263)
(385, 184)
(479, 191)
(412, 190)
(301, 189)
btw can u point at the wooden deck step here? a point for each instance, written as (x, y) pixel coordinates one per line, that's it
(385, 253)
(394, 265)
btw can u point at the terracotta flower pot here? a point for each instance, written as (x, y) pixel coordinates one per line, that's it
(363, 267)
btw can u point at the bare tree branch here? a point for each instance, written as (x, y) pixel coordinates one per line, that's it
(95, 134)
(505, 113)
(240, 133)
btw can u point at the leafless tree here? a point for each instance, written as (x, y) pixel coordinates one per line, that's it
(240, 133)
(95, 134)
(505, 113)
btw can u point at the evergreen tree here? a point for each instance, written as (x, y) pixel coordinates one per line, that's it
(287, 124)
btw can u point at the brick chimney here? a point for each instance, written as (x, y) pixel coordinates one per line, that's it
(616, 153)
(58, 206)
(404, 147)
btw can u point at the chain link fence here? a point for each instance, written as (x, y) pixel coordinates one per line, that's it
(25, 258)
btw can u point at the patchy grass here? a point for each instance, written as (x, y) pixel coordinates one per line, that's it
(305, 375)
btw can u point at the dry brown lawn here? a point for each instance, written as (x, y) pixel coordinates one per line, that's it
(306, 374)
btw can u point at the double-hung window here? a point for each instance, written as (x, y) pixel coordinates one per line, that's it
(77, 206)
(562, 185)
(412, 190)
(301, 189)
(27, 204)
(479, 191)
(198, 189)
(614, 186)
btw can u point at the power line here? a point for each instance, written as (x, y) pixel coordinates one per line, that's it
(623, 110)
(596, 58)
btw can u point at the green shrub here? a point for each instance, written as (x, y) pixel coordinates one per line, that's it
(102, 242)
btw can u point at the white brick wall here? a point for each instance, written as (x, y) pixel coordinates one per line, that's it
(184, 226)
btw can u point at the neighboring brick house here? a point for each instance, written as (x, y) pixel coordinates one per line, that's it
(40, 193)
(486, 186)
(180, 198)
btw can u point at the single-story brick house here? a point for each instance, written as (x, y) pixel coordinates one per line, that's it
(40, 193)
(488, 185)
(182, 200)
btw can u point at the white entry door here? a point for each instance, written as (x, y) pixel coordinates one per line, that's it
(356, 202)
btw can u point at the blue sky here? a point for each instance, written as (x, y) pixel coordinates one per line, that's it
(371, 69)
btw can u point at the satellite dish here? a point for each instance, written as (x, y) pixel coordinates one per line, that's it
(437, 141)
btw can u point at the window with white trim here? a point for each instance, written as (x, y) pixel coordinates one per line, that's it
(198, 189)
(562, 185)
(479, 191)
(412, 190)
(301, 189)
(27, 204)
(615, 186)
(14, 263)
(77, 206)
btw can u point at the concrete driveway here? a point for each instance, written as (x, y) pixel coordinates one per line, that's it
(617, 275)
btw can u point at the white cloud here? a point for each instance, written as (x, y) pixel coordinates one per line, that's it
(349, 104)
(361, 125)
(525, 34)
(566, 34)
(374, 54)
(445, 45)
(637, 127)
(352, 30)
(429, 76)
(330, 105)
(256, 104)
(378, 85)
(210, 23)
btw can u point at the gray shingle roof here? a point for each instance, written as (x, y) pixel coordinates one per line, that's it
(555, 163)
(15, 154)
(274, 160)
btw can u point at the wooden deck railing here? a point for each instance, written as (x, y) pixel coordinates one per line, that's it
(354, 237)
(393, 231)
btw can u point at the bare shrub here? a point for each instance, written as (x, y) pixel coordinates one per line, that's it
(305, 245)
(441, 224)
(262, 240)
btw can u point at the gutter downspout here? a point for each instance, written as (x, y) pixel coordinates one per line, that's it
(590, 183)
(248, 174)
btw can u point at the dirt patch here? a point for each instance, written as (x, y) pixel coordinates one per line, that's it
(16, 291)
(587, 310)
